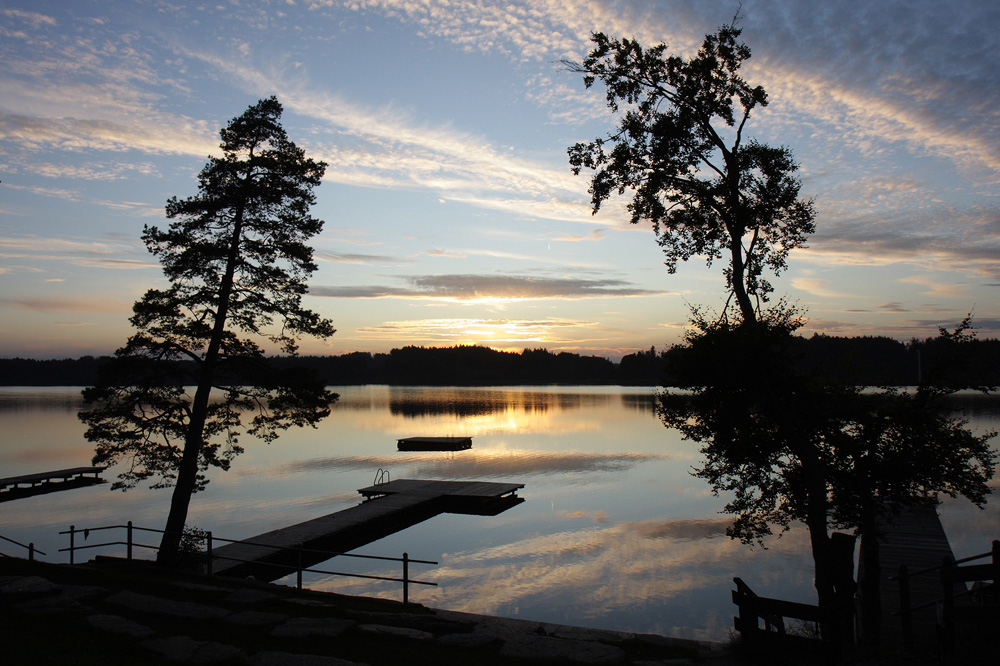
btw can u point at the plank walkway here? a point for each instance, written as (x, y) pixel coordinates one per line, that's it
(387, 509)
(917, 539)
(26, 485)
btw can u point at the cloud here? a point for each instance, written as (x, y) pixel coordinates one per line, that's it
(934, 287)
(41, 304)
(478, 288)
(818, 287)
(594, 235)
(872, 86)
(383, 147)
(140, 208)
(78, 252)
(33, 19)
(497, 333)
(347, 258)
(960, 239)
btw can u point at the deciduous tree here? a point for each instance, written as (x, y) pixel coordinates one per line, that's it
(682, 152)
(194, 377)
(826, 453)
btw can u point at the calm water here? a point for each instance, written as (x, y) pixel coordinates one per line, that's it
(614, 533)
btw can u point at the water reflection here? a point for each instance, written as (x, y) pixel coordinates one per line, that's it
(617, 574)
(614, 532)
(499, 463)
(415, 402)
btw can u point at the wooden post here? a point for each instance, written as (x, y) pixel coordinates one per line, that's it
(208, 553)
(406, 579)
(298, 570)
(747, 619)
(946, 614)
(129, 555)
(905, 614)
(996, 571)
(72, 542)
(31, 551)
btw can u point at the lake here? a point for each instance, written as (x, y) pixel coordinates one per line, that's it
(614, 531)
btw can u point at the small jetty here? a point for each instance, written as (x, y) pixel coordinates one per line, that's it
(27, 485)
(387, 508)
(917, 539)
(434, 443)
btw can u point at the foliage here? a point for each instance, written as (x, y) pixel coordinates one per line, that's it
(762, 423)
(785, 446)
(866, 360)
(237, 259)
(680, 149)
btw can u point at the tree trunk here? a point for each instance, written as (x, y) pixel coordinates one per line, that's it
(820, 543)
(739, 285)
(187, 473)
(870, 583)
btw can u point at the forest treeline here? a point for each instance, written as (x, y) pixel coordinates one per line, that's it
(868, 361)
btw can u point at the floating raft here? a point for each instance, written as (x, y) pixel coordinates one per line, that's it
(387, 509)
(434, 443)
(16, 487)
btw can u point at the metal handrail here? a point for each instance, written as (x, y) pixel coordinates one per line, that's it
(30, 547)
(936, 568)
(130, 543)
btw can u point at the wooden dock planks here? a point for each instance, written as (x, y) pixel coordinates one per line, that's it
(388, 508)
(917, 539)
(27, 485)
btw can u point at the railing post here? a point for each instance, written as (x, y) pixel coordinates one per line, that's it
(31, 551)
(996, 569)
(406, 579)
(905, 615)
(298, 570)
(72, 542)
(129, 541)
(208, 553)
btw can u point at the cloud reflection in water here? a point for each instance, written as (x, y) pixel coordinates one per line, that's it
(493, 463)
(605, 574)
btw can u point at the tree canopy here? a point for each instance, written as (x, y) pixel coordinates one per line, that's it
(681, 150)
(237, 260)
(787, 445)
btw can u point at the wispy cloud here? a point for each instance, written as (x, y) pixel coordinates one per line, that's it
(935, 287)
(79, 252)
(396, 151)
(49, 304)
(479, 288)
(355, 258)
(594, 235)
(497, 333)
(818, 287)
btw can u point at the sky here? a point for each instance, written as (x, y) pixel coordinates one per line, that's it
(451, 213)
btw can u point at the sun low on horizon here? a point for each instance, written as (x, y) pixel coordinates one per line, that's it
(451, 215)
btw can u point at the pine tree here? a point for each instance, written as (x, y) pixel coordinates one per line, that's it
(194, 377)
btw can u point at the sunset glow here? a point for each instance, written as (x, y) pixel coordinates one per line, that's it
(451, 213)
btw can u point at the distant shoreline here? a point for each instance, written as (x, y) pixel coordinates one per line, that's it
(864, 361)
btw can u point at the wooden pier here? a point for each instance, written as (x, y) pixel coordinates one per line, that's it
(917, 539)
(388, 508)
(27, 485)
